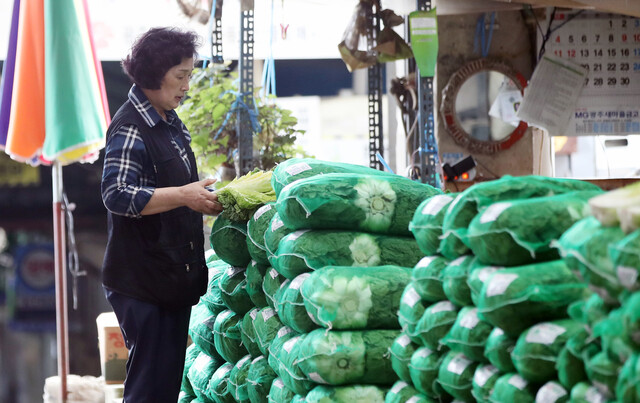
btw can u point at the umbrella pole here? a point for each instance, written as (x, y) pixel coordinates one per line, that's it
(59, 241)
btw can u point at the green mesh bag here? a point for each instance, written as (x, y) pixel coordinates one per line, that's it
(630, 314)
(233, 285)
(484, 379)
(238, 380)
(284, 334)
(351, 393)
(290, 371)
(427, 278)
(229, 240)
(628, 385)
(584, 247)
(455, 375)
(279, 393)
(275, 232)
(200, 373)
(423, 371)
(478, 275)
(519, 232)
(218, 389)
(295, 169)
(259, 380)
(343, 357)
(343, 297)
(255, 277)
(190, 356)
(298, 399)
(454, 280)
(411, 310)
(256, 228)
(248, 333)
(435, 323)
(213, 297)
(586, 393)
(271, 284)
(201, 325)
(538, 347)
(400, 352)
(625, 256)
(468, 335)
(589, 310)
(570, 363)
(602, 371)
(402, 392)
(518, 297)
(478, 197)
(290, 305)
(307, 250)
(552, 392)
(426, 225)
(227, 331)
(513, 388)
(356, 202)
(498, 350)
(184, 397)
(266, 325)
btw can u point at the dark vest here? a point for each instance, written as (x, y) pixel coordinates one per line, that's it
(157, 258)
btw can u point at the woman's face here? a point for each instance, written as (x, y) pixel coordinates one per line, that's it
(173, 87)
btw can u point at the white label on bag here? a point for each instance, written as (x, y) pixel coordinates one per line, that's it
(314, 376)
(232, 271)
(201, 362)
(411, 297)
(627, 276)
(399, 386)
(498, 331)
(284, 331)
(242, 361)
(518, 382)
(470, 320)
(593, 395)
(295, 235)
(261, 211)
(273, 273)
(484, 273)
(458, 364)
(426, 261)
(424, 352)
(224, 315)
(257, 359)
(404, 340)
(295, 169)
(268, 314)
(275, 224)
(278, 383)
(550, 392)
(435, 204)
(499, 283)
(253, 314)
(443, 306)
(483, 374)
(493, 212)
(458, 261)
(298, 281)
(288, 345)
(413, 399)
(544, 333)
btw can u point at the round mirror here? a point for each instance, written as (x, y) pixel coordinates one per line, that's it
(479, 106)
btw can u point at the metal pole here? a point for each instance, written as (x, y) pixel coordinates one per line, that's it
(60, 256)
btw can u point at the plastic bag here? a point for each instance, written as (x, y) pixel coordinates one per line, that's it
(256, 228)
(552, 392)
(255, 277)
(291, 306)
(229, 240)
(435, 323)
(353, 47)
(426, 225)
(484, 379)
(454, 280)
(498, 350)
(259, 380)
(427, 278)
(512, 388)
(227, 338)
(401, 351)
(248, 333)
(469, 334)
(423, 370)
(456, 375)
(390, 45)
(350, 393)
(237, 383)
(233, 284)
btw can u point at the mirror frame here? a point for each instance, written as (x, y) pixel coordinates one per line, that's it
(448, 106)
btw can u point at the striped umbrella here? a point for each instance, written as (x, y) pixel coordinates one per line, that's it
(53, 111)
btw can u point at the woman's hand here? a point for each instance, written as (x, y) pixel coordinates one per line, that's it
(201, 199)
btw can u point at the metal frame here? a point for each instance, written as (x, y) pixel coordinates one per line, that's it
(216, 41)
(245, 67)
(374, 75)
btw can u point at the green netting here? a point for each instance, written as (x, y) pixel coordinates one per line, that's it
(400, 352)
(518, 232)
(306, 250)
(190, 356)
(402, 392)
(518, 297)
(498, 350)
(426, 224)
(355, 202)
(478, 274)
(625, 256)
(290, 372)
(628, 385)
(184, 397)
(259, 380)
(227, 331)
(552, 392)
(570, 363)
(589, 311)
(586, 393)
(201, 325)
(255, 277)
(213, 297)
(229, 240)
(218, 388)
(483, 382)
(454, 280)
(538, 347)
(200, 374)
(478, 197)
(266, 325)
(295, 169)
(423, 372)
(343, 394)
(279, 393)
(602, 371)
(298, 399)
(343, 297)
(343, 357)
(210, 256)
(411, 309)
(248, 333)
(271, 284)
(233, 285)
(427, 278)
(257, 226)
(469, 334)
(435, 323)
(513, 388)
(455, 375)
(584, 248)
(630, 314)
(290, 305)
(275, 232)
(238, 380)
(284, 334)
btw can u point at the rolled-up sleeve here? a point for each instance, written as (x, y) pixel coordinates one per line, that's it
(125, 189)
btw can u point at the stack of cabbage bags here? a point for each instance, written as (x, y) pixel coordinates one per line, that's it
(485, 315)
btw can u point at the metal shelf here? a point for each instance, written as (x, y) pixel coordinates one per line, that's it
(245, 67)
(374, 75)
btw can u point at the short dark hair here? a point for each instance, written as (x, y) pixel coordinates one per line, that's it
(155, 52)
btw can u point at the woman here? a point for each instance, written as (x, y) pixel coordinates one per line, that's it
(154, 268)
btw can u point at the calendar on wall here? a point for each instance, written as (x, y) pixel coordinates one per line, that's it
(608, 47)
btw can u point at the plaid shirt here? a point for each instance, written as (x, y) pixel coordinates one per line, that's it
(128, 179)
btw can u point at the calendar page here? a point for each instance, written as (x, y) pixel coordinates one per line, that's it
(608, 46)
